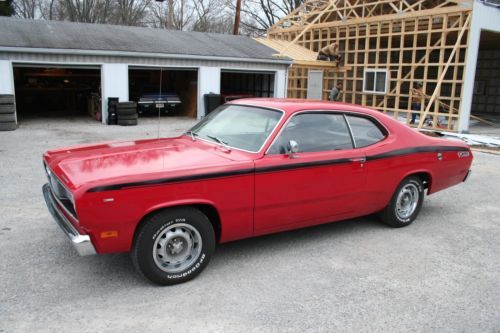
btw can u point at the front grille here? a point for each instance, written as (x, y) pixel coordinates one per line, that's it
(61, 193)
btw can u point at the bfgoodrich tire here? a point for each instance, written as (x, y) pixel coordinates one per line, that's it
(405, 204)
(173, 246)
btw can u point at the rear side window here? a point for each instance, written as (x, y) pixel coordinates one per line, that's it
(364, 131)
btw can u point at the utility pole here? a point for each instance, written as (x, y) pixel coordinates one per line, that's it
(236, 29)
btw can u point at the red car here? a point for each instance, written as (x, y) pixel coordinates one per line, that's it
(252, 167)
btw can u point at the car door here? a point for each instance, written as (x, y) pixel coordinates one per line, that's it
(319, 183)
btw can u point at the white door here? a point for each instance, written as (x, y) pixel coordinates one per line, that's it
(315, 85)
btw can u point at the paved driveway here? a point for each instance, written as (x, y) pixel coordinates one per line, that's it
(441, 274)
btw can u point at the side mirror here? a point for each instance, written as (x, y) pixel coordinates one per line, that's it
(292, 148)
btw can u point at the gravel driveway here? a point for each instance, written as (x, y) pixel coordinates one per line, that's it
(441, 274)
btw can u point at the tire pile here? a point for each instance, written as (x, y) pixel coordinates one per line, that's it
(126, 113)
(7, 113)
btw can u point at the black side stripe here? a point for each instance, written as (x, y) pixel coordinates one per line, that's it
(162, 181)
(414, 150)
(301, 165)
(213, 175)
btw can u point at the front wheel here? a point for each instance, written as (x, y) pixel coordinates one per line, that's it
(405, 203)
(173, 246)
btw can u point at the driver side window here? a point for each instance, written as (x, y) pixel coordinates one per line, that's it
(314, 132)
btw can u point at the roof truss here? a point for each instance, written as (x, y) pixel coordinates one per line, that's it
(321, 11)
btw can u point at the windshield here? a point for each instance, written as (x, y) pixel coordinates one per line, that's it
(238, 126)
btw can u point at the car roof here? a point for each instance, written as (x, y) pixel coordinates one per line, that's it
(290, 105)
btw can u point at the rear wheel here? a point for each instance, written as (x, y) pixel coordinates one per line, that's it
(173, 246)
(405, 203)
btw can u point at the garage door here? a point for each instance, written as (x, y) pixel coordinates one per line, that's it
(63, 91)
(241, 84)
(167, 85)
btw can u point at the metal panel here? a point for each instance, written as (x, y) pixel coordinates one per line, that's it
(225, 70)
(315, 84)
(97, 60)
(49, 65)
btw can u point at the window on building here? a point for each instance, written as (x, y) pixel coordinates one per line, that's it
(375, 81)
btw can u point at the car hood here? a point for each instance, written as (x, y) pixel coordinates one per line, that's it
(131, 161)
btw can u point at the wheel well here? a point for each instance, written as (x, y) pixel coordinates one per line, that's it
(425, 178)
(209, 210)
(213, 216)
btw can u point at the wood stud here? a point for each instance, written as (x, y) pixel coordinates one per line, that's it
(414, 41)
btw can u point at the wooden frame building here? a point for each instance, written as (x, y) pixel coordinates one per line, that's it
(388, 46)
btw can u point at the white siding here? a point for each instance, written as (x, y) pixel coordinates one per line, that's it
(6, 78)
(76, 59)
(114, 83)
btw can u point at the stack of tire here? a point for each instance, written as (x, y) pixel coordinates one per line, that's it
(112, 117)
(7, 113)
(126, 113)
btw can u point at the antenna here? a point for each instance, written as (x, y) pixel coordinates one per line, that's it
(159, 97)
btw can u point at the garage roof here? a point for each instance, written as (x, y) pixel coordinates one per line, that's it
(41, 34)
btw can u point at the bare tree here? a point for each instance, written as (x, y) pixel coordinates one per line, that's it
(48, 9)
(259, 15)
(130, 12)
(90, 11)
(176, 14)
(25, 8)
(212, 16)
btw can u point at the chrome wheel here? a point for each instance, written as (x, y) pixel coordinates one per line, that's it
(407, 201)
(177, 247)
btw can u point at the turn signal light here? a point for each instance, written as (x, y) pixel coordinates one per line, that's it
(109, 234)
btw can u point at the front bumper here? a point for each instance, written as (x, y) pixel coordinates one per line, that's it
(81, 243)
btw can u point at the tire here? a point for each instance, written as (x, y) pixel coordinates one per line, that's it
(7, 117)
(405, 203)
(125, 105)
(162, 232)
(126, 111)
(7, 99)
(127, 122)
(127, 117)
(8, 126)
(7, 108)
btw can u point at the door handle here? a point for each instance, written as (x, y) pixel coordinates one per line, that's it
(358, 159)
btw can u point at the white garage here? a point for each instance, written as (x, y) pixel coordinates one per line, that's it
(60, 69)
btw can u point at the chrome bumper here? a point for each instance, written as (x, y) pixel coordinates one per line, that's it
(81, 243)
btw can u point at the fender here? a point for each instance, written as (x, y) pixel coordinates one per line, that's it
(420, 171)
(176, 203)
